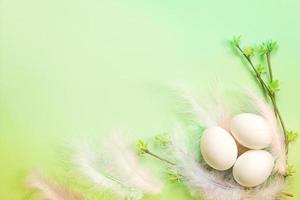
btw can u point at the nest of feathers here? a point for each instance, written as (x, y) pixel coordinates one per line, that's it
(212, 184)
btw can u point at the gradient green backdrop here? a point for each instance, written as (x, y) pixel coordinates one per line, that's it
(81, 67)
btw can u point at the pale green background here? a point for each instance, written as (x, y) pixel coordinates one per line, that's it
(82, 67)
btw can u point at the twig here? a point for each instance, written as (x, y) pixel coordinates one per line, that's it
(269, 66)
(287, 194)
(158, 157)
(268, 56)
(261, 81)
(268, 91)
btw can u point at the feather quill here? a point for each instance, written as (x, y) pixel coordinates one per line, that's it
(50, 190)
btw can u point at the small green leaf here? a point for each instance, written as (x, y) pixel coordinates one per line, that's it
(292, 136)
(262, 49)
(290, 170)
(142, 147)
(163, 140)
(267, 47)
(271, 45)
(274, 86)
(236, 40)
(249, 51)
(261, 69)
(174, 176)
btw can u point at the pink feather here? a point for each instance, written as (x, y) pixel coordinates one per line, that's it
(49, 190)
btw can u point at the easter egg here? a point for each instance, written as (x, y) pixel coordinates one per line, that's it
(218, 148)
(251, 131)
(253, 168)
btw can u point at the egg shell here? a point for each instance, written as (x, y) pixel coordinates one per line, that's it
(251, 131)
(253, 168)
(218, 148)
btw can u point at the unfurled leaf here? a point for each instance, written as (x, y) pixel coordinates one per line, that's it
(236, 40)
(261, 69)
(292, 136)
(163, 140)
(262, 49)
(274, 86)
(290, 170)
(249, 51)
(267, 47)
(174, 176)
(271, 45)
(142, 147)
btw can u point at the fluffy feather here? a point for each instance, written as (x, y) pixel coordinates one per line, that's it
(216, 111)
(271, 190)
(278, 148)
(131, 170)
(219, 106)
(215, 185)
(203, 117)
(50, 190)
(85, 161)
(115, 168)
(200, 180)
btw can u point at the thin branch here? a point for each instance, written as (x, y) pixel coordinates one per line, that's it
(268, 55)
(268, 91)
(287, 194)
(273, 99)
(280, 119)
(158, 157)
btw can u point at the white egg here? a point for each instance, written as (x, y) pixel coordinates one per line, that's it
(253, 168)
(251, 130)
(218, 148)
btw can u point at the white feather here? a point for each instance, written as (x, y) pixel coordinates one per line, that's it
(220, 114)
(85, 160)
(216, 112)
(200, 180)
(115, 167)
(219, 106)
(87, 163)
(131, 171)
(202, 115)
(213, 185)
(271, 190)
